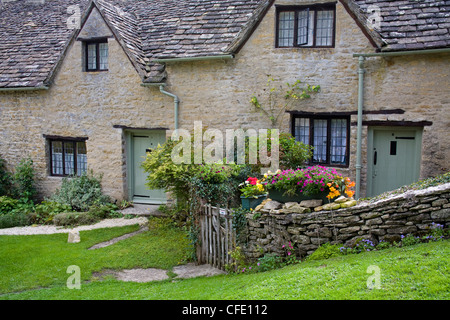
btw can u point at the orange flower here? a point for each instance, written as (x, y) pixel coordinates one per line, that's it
(349, 193)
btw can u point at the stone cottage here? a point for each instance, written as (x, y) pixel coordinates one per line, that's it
(97, 84)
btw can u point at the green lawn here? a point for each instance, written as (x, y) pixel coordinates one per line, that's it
(28, 262)
(39, 263)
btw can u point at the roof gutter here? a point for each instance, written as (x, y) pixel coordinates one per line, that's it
(192, 59)
(24, 89)
(361, 71)
(175, 99)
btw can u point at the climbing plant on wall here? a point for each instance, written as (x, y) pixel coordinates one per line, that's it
(277, 97)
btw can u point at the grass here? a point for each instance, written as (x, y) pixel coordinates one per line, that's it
(418, 272)
(35, 261)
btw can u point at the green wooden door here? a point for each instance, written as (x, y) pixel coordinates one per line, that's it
(142, 142)
(394, 158)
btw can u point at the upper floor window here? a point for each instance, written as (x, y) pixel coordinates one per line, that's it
(311, 26)
(96, 55)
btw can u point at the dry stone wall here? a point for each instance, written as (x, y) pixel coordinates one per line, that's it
(410, 213)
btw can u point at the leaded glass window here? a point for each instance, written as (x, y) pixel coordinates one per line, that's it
(327, 135)
(97, 56)
(311, 26)
(67, 157)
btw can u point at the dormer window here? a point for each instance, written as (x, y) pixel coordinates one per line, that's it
(306, 26)
(96, 55)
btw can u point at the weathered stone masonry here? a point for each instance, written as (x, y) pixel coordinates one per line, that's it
(409, 213)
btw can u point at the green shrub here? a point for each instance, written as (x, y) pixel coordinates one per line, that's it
(165, 174)
(46, 210)
(6, 179)
(14, 219)
(326, 251)
(24, 180)
(74, 218)
(269, 261)
(104, 211)
(383, 245)
(81, 192)
(293, 154)
(238, 261)
(409, 240)
(7, 204)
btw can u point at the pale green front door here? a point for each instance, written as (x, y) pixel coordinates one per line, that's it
(140, 143)
(393, 159)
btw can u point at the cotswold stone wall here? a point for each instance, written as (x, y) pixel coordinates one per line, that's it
(409, 213)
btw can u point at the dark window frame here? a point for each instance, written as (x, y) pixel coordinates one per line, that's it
(328, 146)
(310, 8)
(97, 43)
(64, 141)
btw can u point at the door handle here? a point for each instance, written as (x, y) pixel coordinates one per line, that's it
(375, 158)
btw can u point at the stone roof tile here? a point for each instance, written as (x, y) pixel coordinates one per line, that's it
(406, 24)
(34, 34)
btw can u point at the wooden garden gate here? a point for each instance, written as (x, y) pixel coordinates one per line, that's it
(217, 236)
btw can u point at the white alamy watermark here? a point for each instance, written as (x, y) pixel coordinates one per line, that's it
(374, 17)
(74, 281)
(239, 146)
(74, 20)
(374, 281)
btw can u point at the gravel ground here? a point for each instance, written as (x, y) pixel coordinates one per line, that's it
(107, 223)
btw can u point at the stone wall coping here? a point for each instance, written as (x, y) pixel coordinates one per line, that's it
(442, 188)
(366, 205)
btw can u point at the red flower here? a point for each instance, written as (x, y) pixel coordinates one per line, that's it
(252, 180)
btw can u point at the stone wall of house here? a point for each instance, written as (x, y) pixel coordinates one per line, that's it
(81, 104)
(410, 213)
(415, 85)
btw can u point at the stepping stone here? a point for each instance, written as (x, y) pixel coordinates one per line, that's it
(142, 275)
(191, 270)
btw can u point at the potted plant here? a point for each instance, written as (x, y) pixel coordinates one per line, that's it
(295, 185)
(253, 193)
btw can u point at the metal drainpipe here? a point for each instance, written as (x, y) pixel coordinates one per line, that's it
(361, 72)
(176, 101)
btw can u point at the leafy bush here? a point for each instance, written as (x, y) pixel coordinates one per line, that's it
(104, 211)
(269, 261)
(383, 245)
(238, 259)
(163, 173)
(7, 204)
(325, 251)
(6, 179)
(14, 219)
(81, 192)
(46, 211)
(409, 240)
(293, 154)
(359, 246)
(74, 218)
(24, 180)
(13, 213)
